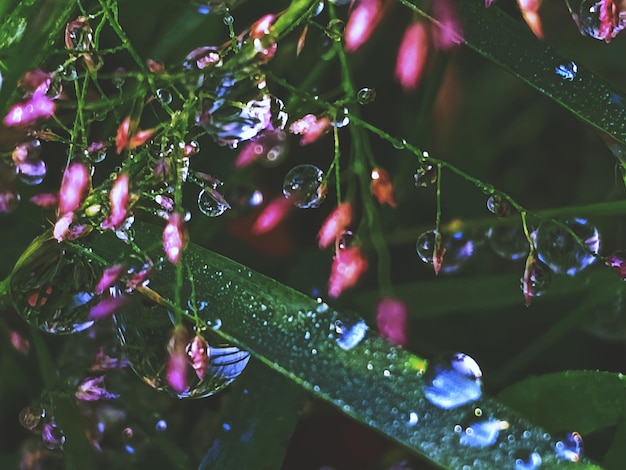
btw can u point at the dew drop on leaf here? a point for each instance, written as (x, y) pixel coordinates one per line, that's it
(211, 203)
(52, 287)
(366, 95)
(453, 382)
(508, 241)
(567, 71)
(560, 250)
(526, 459)
(145, 331)
(570, 448)
(304, 186)
(480, 433)
(350, 334)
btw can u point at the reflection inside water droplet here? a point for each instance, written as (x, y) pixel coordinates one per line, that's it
(453, 382)
(211, 203)
(525, 459)
(567, 71)
(304, 186)
(458, 249)
(508, 241)
(558, 248)
(481, 433)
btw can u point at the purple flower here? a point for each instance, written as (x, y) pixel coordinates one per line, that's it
(93, 389)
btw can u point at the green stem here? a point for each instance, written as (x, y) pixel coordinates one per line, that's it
(5, 294)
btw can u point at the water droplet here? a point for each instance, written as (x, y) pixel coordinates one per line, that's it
(68, 72)
(567, 71)
(425, 175)
(30, 168)
(458, 249)
(334, 29)
(304, 186)
(161, 425)
(346, 240)
(241, 109)
(366, 95)
(570, 448)
(214, 7)
(164, 96)
(52, 287)
(145, 333)
(526, 459)
(482, 433)
(413, 419)
(591, 20)
(31, 416)
(341, 118)
(557, 248)
(201, 58)
(399, 144)
(52, 436)
(453, 382)
(211, 203)
(536, 279)
(350, 334)
(96, 152)
(498, 205)
(508, 241)
(119, 77)
(319, 8)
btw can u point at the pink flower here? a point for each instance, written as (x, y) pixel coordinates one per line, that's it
(93, 389)
(272, 215)
(109, 277)
(74, 185)
(102, 362)
(35, 81)
(38, 107)
(262, 26)
(438, 253)
(348, 266)
(128, 137)
(177, 363)
(45, 199)
(335, 224)
(412, 55)
(175, 237)
(448, 33)
(199, 355)
(382, 188)
(363, 19)
(119, 203)
(19, 342)
(530, 12)
(310, 128)
(107, 307)
(392, 320)
(617, 261)
(61, 228)
(488, 3)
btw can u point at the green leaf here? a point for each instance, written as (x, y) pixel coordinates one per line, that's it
(616, 455)
(505, 42)
(582, 401)
(375, 383)
(257, 422)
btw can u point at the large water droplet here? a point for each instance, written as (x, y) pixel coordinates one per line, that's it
(498, 205)
(52, 287)
(608, 321)
(31, 416)
(526, 459)
(304, 186)
(349, 333)
(558, 248)
(458, 249)
(164, 96)
(334, 29)
(425, 175)
(453, 382)
(567, 71)
(592, 20)
(79, 35)
(481, 433)
(508, 241)
(211, 203)
(570, 448)
(145, 331)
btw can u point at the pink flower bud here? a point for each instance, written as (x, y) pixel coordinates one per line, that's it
(382, 188)
(19, 342)
(109, 277)
(262, 26)
(107, 307)
(310, 128)
(392, 320)
(177, 363)
(617, 261)
(364, 17)
(348, 266)
(38, 107)
(74, 185)
(62, 226)
(530, 12)
(118, 197)
(272, 215)
(199, 355)
(45, 199)
(335, 224)
(128, 137)
(175, 237)
(93, 389)
(448, 33)
(412, 56)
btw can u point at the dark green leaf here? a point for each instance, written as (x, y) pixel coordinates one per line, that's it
(583, 401)
(616, 455)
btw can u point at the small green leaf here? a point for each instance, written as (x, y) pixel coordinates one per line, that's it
(582, 401)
